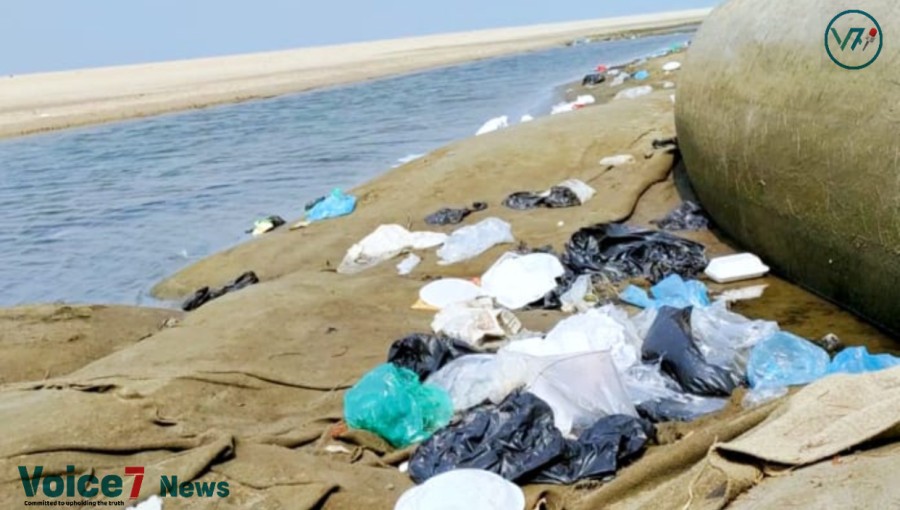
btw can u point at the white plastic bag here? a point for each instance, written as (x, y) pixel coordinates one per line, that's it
(516, 281)
(573, 300)
(473, 240)
(493, 125)
(386, 242)
(620, 160)
(470, 380)
(581, 189)
(463, 489)
(634, 92)
(591, 331)
(407, 265)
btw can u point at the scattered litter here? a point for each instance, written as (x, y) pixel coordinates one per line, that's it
(473, 240)
(469, 489)
(335, 205)
(516, 281)
(470, 380)
(580, 297)
(602, 329)
(620, 160)
(386, 242)
(743, 294)
(205, 294)
(619, 251)
(517, 441)
(785, 360)
(659, 399)
(671, 342)
(569, 193)
(526, 118)
(641, 75)
(266, 225)
(407, 265)
(448, 216)
(392, 403)
(336, 448)
(476, 321)
(593, 79)
(619, 80)
(426, 354)
(733, 268)
(447, 291)
(671, 66)
(687, 216)
(152, 503)
(578, 103)
(672, 291)
(725, 338)
(857, 360)
(634, 92)
(668, 85)
(493, 125)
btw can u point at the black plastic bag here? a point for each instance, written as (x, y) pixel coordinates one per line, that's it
(599, 450)
(448, 216)
(558, 197)
(425, 354)
(669, 341)
(515, 440)
(620, 252)
(670, 409)
(312, 203)
(593, 79)
(205, 294)
(687, 216)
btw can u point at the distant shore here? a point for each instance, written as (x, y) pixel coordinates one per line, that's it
(34, 103)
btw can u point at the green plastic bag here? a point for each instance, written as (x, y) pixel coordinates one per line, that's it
(393, 403)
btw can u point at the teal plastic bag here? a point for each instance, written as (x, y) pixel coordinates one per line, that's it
(334, 205)
(392, 403)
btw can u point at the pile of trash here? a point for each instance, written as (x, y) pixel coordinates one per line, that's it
(486, 400)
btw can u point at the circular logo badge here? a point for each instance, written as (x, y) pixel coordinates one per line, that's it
(853, 39)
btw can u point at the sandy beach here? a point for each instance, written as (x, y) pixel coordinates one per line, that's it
(48, 101)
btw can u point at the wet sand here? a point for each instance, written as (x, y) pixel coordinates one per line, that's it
(249, 388)
(48, 101)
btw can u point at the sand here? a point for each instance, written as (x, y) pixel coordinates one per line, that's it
(47, 101)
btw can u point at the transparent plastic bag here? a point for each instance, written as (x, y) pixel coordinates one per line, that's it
(392, 403)
(725, 338)
(470, 380)
(473, 240)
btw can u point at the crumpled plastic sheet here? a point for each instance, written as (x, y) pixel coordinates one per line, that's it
(384, 243)
(672, 291)
(391, 402)
(619, 251)
(785, 359)
(473, 240)
(725, 338)
(205, 295)
(857, 360)
(687, 216)
(516, 281)
(658, 398)
(425, 354)
(449, 216)
(470, 380)
(518, 441)
(670, 341)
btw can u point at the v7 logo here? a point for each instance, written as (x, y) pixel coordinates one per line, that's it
(859, 36)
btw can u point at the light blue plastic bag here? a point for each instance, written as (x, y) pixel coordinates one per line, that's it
(857, 360)
(333, 206)
(641, 75)
(672, 291)
(391, 402)
(784, 359)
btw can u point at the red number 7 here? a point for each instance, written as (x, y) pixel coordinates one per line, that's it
(138, 473)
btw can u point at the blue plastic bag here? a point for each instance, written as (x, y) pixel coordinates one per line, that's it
(641, 75)
(784, 359)
(857, 360)
(392, 403)
(333, 206)
(672, 291)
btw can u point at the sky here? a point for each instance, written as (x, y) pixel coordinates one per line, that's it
(50, 35)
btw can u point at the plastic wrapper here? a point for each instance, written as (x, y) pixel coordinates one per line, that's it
(672, 291)
(473, 240)
(392, 403)
(425, 354)
(449, 216)
(785, 360)
(334, 205)
(205, 295)
(619, 252)
(687, 216)
(857, 360)
(670, 342)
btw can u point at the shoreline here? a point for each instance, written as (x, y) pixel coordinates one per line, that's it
(35, 103)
